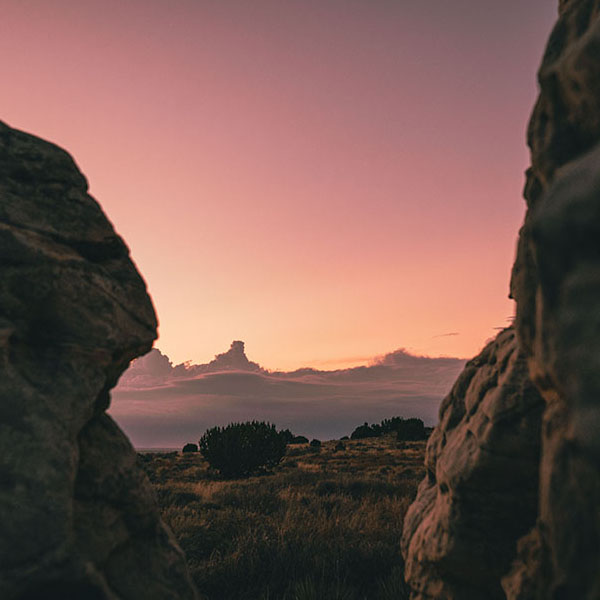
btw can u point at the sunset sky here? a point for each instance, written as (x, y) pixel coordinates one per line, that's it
(326, 180)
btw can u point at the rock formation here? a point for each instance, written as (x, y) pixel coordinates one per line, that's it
(480, 493)
(77, 518)
(556, 284)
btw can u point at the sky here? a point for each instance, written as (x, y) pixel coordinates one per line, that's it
(326, 180)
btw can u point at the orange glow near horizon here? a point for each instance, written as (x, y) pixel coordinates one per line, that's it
(327, 181)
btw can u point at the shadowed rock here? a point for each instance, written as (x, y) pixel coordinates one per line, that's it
(481, 489)
(556, 284)
(77, 518)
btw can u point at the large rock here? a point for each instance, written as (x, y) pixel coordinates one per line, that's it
(77, 518)
(560, 558)
(481, 490)
(556, 283)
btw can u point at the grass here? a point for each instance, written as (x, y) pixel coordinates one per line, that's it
(323, 525)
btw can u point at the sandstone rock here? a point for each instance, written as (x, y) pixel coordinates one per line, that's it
(480, 492)
(564, 236)
(556, 283)
(77, 518)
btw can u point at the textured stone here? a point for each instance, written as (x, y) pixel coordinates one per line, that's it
(480, 492)
(77, 518)
(556, 284)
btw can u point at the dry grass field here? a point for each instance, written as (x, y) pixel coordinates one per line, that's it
(324, 525)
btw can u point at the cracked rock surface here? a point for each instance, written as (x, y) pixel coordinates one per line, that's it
(77, 517)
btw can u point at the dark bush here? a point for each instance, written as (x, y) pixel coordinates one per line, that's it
(339, 447)
(287, 435)
(241, 449)
(299, 439)
(365, 431)
(190, 448)
(315, 443)
(406, 429)
(411, 430)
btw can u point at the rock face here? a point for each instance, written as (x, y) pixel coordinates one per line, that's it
(556, 284)
(77, 518)
(481, 490)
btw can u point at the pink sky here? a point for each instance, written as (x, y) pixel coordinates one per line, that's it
(326, 180)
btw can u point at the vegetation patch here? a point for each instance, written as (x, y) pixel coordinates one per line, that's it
(319, 525)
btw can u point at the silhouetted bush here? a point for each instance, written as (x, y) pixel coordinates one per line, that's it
(406, 429)
(315, 443)
(241, 449)
(190, 448)
(365, 431)
(287, 435)
(411, 430)
(299, 439)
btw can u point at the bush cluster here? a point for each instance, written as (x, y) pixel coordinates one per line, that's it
(406, 429)
(242, 449)
(299, 439)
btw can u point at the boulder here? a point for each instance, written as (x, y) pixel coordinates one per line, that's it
(77, 517)
(556, 285)
(480, 493)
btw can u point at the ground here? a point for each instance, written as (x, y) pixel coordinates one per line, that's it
(324, 525)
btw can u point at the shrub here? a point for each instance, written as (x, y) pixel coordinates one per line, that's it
(299, 439)
(241, 449)
(190, 448)
(411, 430)
(365, 431)
(315, 443)
(287, 435)
(406, 429)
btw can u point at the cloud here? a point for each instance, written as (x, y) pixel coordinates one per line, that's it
(452, 333)
(162, 405)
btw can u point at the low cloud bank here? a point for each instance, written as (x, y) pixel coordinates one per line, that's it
(159, 404)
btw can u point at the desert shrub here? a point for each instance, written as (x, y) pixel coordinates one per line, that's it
(365, 431)
(299, 439)
(241, 449)
(314, 443)
(190, 448)
(406, 429)
(287, 435)
(411, 430)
